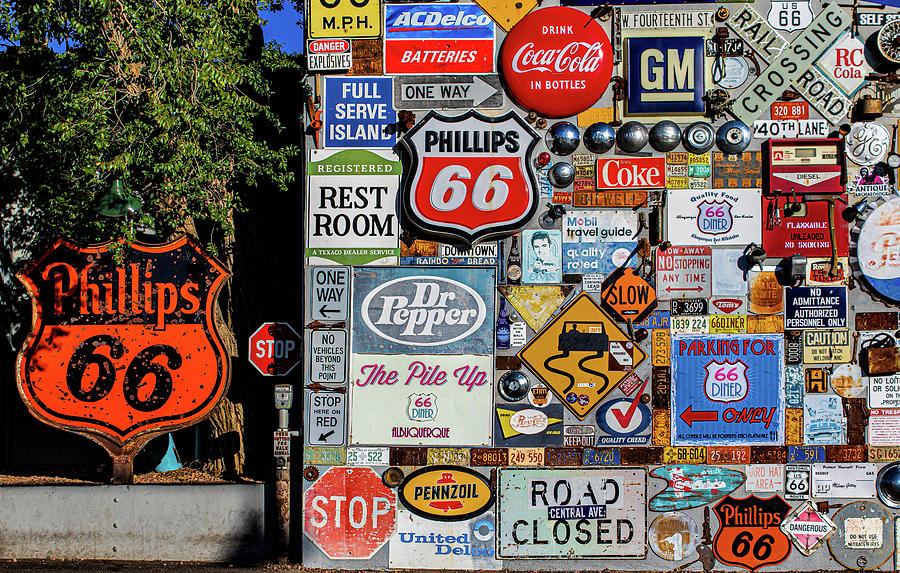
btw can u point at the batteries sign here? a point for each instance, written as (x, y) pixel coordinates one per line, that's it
(727, 390)
(434, 39)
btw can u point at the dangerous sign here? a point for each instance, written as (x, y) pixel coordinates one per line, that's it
(325, 418)
(683, 271)
(348, 513)
(808, 528)
(582, 354)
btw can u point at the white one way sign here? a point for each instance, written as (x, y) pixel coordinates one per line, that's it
(447, 92)
(330, 293)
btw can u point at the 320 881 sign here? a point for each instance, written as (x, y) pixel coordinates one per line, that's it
(123, 350)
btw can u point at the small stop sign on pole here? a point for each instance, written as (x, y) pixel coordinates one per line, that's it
(275, 348)
(349, 513)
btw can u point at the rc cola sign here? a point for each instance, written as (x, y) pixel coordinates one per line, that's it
(469, 177)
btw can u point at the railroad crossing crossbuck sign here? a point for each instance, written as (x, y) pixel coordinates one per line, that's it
(586, 342)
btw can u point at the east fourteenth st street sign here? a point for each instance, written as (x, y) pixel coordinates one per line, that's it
(122, 350)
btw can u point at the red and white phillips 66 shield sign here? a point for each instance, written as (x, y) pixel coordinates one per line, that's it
(557, 61)
(469, 177)
(123, 347)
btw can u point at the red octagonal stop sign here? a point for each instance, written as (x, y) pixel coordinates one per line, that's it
(349, 513)
(275, 348)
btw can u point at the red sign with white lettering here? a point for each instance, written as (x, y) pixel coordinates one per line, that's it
(349, 513)
(631, 173)
(790, 110)
(808, 233)
(557, 61)
(275, 348)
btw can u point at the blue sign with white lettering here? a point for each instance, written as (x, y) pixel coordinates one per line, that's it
(727, 390)
(430, 21)
(815, 307)
(358, 112)
(665, 75)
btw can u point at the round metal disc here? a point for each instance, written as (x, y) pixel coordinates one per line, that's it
(562, 138)
(864, 539)
(632, 137)
(698, 137)
(561, 174)
(513, 386)
(867, 143)
(599, 137)
(665, 135)
(733, 137)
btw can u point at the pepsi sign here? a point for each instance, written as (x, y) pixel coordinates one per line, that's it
(429, 39)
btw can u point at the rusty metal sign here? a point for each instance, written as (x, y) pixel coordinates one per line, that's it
(123, 348)
(490, 456)
(608, 198)
(579, 513)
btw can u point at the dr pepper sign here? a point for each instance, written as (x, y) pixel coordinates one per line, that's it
(123, 348)
(557, 61)
(469, 177)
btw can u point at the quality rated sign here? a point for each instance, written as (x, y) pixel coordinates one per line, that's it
(325, 418)
(683, 271)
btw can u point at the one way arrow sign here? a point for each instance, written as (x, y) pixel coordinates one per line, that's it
(447, 92)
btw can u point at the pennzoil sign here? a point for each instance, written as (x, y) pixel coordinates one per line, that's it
(123, 350)
(446, 493)
(469, 177)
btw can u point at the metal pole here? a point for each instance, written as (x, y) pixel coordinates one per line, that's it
(283, 398)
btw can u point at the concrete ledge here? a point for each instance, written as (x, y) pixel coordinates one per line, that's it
(135, 522)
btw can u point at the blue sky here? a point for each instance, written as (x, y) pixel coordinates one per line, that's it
(283, 28)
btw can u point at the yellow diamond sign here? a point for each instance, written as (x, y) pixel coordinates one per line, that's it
(582, 354)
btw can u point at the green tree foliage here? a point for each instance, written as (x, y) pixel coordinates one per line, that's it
(168, 95)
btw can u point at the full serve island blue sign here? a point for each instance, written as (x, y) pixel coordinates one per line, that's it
(727, 389)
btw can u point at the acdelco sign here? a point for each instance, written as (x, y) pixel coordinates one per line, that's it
(631, 173)
(557, 61)
(423, 310)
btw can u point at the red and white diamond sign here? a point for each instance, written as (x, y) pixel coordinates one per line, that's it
(469, 177)
(807, 528)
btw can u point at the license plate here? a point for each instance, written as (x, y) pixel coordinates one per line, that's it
(689, 325)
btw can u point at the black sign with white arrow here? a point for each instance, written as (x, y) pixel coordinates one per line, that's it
(447, 92)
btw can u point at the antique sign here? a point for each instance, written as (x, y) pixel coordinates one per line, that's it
(326, 413)
(582, 340)
(807, 232)
(470, 177)
(627, 295)
(446, 493)
(598, 241)
(749, 534)
(447, 92)
(727, 389)
(352, 207)
(878, 248)
(683, 271)
(815, 307)
(579, 513)
(326, 355)
(275, 348)
(348, 513)
(400, 398)
(336, 19)
(689, 485)
(435, 39)
(329, 294)
(665, 76)
(328, 55)
(123, 347)
(714, 217)
(630, 173)
(674, 535)
(423, 543)
(556, 61)
(358, 112)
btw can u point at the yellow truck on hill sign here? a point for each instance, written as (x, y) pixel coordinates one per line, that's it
(582, 355)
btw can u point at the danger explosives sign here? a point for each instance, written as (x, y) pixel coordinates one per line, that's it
(123, 350)
(469, 177)
(749, 535)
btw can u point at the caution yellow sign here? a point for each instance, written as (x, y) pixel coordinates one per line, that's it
(505, 13)
(582, 354)
(344, 19)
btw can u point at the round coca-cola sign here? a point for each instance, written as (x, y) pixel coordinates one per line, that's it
(556, 61)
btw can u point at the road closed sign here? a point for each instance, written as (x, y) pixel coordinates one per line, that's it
(344, 19)
(575, 514)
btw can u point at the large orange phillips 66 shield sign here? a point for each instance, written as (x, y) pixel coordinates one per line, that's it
(122, 350)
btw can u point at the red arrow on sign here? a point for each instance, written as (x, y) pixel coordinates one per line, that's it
(697, 288)
(689, 416)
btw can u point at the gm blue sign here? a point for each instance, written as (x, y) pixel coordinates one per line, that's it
(665, 75)
(358, 112)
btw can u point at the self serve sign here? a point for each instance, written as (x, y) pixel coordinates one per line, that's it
(665, 75)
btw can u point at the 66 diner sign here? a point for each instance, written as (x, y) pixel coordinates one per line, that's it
(123, 350)
(469, 177)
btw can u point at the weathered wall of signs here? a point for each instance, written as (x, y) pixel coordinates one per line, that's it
(623, 286)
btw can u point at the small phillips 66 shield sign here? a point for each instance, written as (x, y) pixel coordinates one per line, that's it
(469, 177)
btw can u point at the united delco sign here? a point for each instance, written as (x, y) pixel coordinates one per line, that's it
(470, 177)
(557, 61)
(123, 349)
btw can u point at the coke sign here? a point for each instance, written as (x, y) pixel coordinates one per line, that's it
(123, 349)
(469, 177)
(631, 173)
(557, 61)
